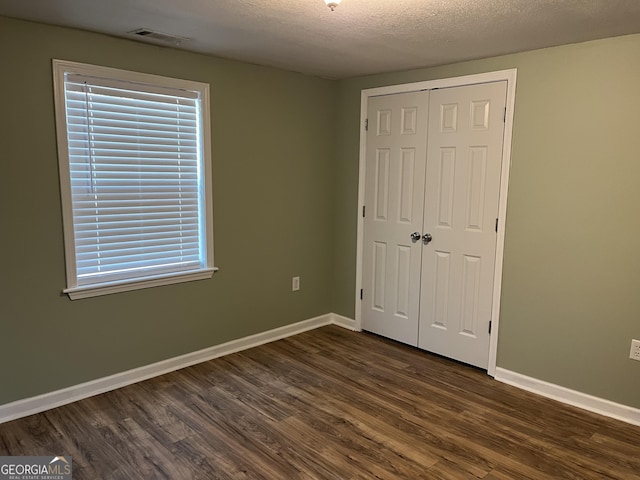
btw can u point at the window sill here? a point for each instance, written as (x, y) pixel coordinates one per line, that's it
(137, 284)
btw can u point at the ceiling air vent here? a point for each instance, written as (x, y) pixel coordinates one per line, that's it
(148, 34)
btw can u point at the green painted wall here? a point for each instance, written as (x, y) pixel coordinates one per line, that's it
(272, 165)
(570, 299)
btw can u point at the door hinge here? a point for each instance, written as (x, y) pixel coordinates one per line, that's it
(489, 327)
(366, 125)
(504, 118)
(363, 210)
(361, 293)
(496, 225)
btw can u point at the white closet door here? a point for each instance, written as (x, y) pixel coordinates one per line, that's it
(394, 199)
(465, 139)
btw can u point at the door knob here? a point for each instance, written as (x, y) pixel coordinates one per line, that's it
(415, 236)
(426, 238)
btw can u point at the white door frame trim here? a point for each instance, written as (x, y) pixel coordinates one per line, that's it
(503, 75)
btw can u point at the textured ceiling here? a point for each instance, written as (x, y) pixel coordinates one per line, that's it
(360, 37)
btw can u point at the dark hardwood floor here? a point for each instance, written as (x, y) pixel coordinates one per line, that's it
(328, 404)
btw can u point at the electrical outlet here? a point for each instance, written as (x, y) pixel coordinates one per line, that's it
(635, 350)
(295, 284)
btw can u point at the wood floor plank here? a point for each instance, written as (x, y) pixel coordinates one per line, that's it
(328, 404)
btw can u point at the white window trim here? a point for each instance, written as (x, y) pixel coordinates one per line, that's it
(60, 68)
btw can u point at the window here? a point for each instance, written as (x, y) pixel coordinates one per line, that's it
(135, 176)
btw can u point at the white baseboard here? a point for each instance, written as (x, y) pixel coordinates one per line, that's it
(572, 397)
(47, 401)
(344, 322)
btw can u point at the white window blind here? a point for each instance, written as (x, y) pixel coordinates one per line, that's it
(135, 169)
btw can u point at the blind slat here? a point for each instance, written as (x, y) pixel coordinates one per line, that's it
(122, 235)
(118, 256)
